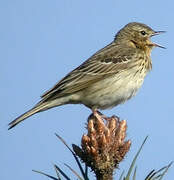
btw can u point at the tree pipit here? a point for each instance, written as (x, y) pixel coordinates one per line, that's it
(108, 78)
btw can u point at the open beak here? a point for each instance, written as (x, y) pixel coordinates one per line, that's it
(157, 45)
(157, 33)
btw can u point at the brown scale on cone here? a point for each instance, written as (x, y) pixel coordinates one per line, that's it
(104, 147)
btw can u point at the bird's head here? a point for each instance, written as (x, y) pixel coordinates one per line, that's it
(138, 35)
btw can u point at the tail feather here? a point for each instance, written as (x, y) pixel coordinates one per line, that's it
(41, 106)
(34, 110)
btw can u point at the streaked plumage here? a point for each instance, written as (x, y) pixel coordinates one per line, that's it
(108, 78)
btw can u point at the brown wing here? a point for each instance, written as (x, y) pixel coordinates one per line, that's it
(104, 63)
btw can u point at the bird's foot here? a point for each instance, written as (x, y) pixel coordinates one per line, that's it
(98, 114)
(101, 116)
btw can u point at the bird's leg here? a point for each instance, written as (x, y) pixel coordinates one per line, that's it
(96, 113)
(99, 115)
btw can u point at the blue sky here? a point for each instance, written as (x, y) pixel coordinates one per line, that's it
(41, 41)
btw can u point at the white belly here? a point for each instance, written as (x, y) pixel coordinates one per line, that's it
(112, 91)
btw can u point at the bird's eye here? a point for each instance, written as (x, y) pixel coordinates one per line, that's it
(143, 33)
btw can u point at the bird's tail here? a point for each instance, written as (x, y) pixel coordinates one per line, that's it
(27, 114)
(41, 106)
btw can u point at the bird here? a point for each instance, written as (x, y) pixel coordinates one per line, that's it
(108, 78)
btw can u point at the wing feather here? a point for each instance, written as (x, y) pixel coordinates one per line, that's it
(103, 64)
